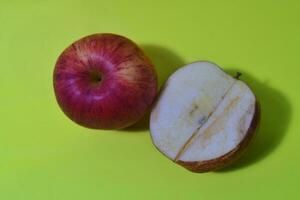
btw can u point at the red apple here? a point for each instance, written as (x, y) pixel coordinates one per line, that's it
(104, 81)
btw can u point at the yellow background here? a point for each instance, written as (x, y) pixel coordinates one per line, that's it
(43, 155)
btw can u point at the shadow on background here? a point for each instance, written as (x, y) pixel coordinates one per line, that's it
(275, 118)
(165, 62)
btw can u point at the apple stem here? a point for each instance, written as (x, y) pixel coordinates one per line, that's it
(237, 75)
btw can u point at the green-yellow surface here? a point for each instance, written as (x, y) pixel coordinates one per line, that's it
(43, 155)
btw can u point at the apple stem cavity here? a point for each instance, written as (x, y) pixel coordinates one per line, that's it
(95, 77)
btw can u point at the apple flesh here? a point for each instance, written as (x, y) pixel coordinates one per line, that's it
(104, 81)
(203, 118)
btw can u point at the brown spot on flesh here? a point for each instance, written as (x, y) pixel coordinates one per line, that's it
(219, 123)
(195, 107)
(202, 120)
(242, 122)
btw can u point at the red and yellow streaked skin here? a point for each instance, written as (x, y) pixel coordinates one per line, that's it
(104, 81)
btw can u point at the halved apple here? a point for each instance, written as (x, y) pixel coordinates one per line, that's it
(203, 118)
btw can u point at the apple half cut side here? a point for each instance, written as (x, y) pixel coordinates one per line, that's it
(203, 118)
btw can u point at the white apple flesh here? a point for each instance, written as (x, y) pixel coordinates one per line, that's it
(203, 118)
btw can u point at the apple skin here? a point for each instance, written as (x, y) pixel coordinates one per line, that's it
(230, 157)
(104, 81)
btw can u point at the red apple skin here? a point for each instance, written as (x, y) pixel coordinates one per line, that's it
(104, 81)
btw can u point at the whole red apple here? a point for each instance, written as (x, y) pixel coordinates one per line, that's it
(104, 81)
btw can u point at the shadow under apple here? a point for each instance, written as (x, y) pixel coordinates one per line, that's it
(165, 62)
(275, 118)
